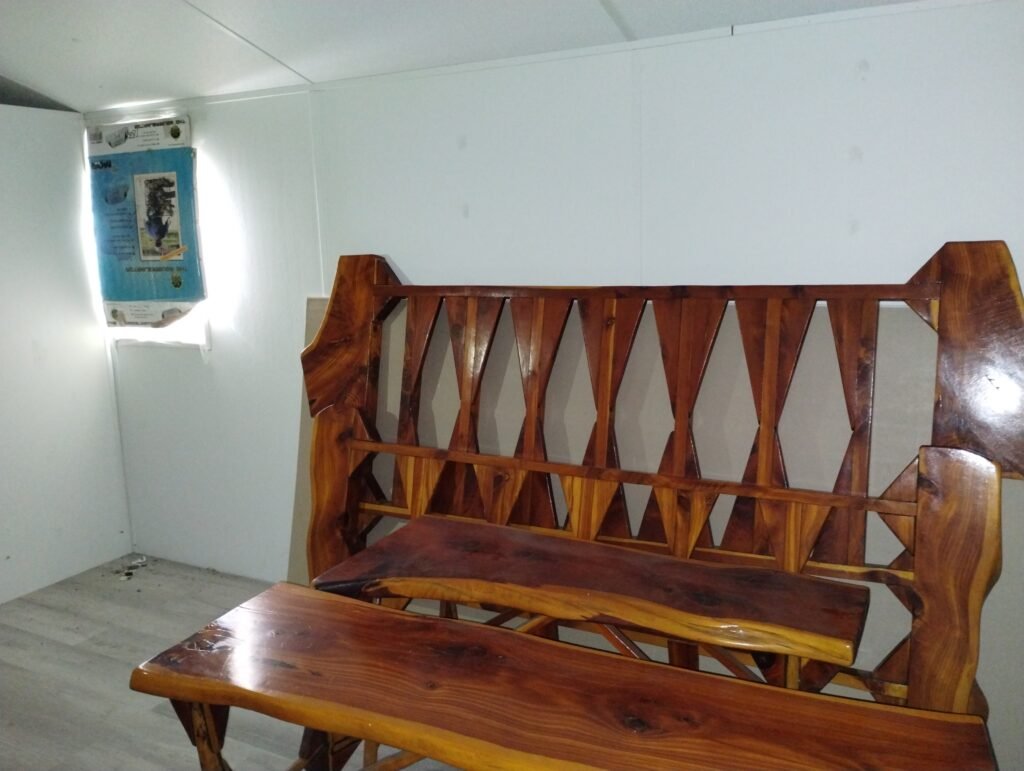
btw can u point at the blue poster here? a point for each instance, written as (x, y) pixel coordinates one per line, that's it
(146, 238)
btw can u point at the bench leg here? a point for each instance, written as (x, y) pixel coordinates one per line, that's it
(206, 725)
(325, 752)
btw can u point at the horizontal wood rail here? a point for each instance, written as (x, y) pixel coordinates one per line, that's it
(757, 609)
(682, 484)
(479, 697)
(926, 290)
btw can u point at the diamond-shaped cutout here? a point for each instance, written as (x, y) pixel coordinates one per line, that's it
(887, 624)
(636, 500)
(643, 415)
(389, 384)
(719, 517)
(882, 545)
(439, 397)
(384, 473)
(502, 407)
(815, 429)
(561, 507)
(904, 393)
(724, 420)
(570, 412)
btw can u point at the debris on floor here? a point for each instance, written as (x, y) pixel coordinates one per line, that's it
(127, 571)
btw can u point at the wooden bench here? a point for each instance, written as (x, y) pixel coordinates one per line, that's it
(801, 632)
(478, 697)
(567, 579)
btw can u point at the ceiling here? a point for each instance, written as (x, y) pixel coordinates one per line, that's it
(95, 54)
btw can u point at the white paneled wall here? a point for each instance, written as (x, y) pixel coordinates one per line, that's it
(210, 440)
(62, 494)
(833, 152)
(516, 174)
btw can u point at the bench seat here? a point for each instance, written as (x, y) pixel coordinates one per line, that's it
(479, 697)
(564, 578)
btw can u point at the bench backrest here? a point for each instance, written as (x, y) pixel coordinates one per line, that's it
(943, 508)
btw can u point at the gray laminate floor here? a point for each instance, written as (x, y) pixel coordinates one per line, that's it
(66, 653)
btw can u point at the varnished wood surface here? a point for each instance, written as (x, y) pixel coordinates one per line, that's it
(736, 607)
(479, 697)
(923, 291)
(980, 380)
(958, 555)
(903, 508)
(967, 292)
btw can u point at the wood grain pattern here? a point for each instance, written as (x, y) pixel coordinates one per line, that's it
(855, 330)
(705, 485)
(748, 608)
(967, 292)
(539, 324)
(420, 322)
(957, 558)
(342, 362)
(479, 697)
(979, 391)
(687, 329)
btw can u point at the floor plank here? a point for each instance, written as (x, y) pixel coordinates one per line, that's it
(66, 653)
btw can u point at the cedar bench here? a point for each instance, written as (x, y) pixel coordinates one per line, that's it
(943, 509)
(478, 697)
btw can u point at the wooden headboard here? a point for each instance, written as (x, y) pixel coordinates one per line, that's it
(943, 508)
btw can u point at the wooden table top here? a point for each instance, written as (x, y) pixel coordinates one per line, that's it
(479, 697)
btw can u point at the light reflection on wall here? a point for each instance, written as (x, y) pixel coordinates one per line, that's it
(88, 239)
(222, 243)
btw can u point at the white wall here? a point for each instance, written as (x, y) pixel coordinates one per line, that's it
(62, 492)
(846, 151)
(210, 440)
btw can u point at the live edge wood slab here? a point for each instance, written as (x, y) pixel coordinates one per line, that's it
(943, 508)
(478, 697)
(564, 578)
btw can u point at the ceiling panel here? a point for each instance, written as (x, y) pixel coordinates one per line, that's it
(92, 55)
(332, 40)
(653, 18)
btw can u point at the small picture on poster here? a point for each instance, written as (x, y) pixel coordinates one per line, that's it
(159, 222)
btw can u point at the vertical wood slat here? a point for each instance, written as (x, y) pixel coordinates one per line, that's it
(855, 331)
(609, 329)
(472, 322)
(420, 322)
(538, 324)
(687, 329)
(773, 332)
